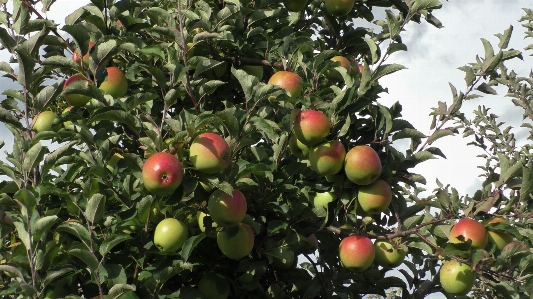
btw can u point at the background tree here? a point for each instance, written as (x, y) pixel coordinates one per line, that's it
(83, 217)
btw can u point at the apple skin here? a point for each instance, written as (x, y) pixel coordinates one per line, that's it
(470, 229)
(44, 121)
(236, 242)
(85, 59)
(322, 199)
(76, 100)
(116, 84)
(327, 158)
(339, 8)
(356, 253)
(375, 198)
(170, 234)
(254, 70)
(162, 173)
(457, 278)
(387, 256)
(289, 81)
(68, 122)
(500, 239)
(311, 127)
(362, 165)
(295, 5)
(227, 210)
(333, 74)
(209, 153)
(214, 286)
(201, 225)
(297, 148)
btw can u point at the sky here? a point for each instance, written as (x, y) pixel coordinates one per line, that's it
(432, 60)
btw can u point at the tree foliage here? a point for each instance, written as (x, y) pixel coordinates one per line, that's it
(77, 221)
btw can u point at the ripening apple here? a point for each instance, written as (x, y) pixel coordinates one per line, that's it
(297, 148)
(311, 127)
(500, 239)
(201, 224)
(76, 57)
(356, 253)
(295, 5)
(457, 278)
(116, 84)
(209, 153)
(470, 229)
(388, 255)
(162, 173)
(339, 8)
(237, 241)
(327, 158)
(170, 234)
(322, 199)
(362, 165)
(44, 121)
(254, 70)
(213, 286)
(225, 209)
(333, 74)
(76, 100)
(289, 81)
(374, 198)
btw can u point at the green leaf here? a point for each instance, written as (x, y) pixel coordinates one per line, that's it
(7, 117)
(386, 69)
(12, 270)
(505, 38)
(27, 198)
(87, 257)
(374, 50)
(45, 96)
(101, 53)
(111, 242)
(394, 25)
(42, 226)
(408, 133)
(6, 40)
(23, 234)
(485, 88)
(439, 134)
(95, 208)
(247, 81)
(33, 157)
(419, 5)
(491, 63)
(62, 62)
(26, 68)
(190, 244)
(77, 230)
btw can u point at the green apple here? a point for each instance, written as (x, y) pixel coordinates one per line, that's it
(225, 209)
(388, 255)
(339, 8)
(289, 81)
(342, 61)
(73, 99)
(162, 173)
(170, 234)
(254, 70)
(472, 230)
(322, 199)
(374, 198)
(44, 121)
(311, 127)
(214, 286)
(295, 5)
(362, 165)
(68, 110)
(327, 158)
(297, 148)
(500, 239)
(209, 153)
(201, 224)
(457, 278)
(237, 241)
(116, 84)
(356, 253)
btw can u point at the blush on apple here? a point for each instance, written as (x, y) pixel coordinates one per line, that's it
(162, 173)
(356, 253)
(73, 99)
(225, 209)
(311, 127)
(116, 84)
(342, 61)
(362, 165)
(374, 198)
(327, 158)
(470, 229)
(209, 153)
(289, 81)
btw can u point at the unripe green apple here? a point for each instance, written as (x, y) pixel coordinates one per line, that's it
(457, 278)
(295, 5)
(322, 199)
(327, 158)
(237, 241)
(44, 121)
(470, 229)
(116, 84)
(162, 173)
(356, 253)
(362, 165)
(209, 153)
(289, 81)
(201, 225)
(311, 127)
(225, 209)
(500, 239)
(375, 198)
(76, 100)
(68, 122)
(254, 70)
(297, 148)
(214, 286)
(333, 74)
(339, 8)
(387, 255)
(170, 234)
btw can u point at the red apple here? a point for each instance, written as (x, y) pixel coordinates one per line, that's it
(311, 127)
(227, 210)
(339, 8)
(362, 165)
(333, 74)
(289, 81)
(209, 153)
(470, 229)
(327, 158)
(237, 241)
(374, 198)
(170, 234)
(356, 253)
(116, 84)
(44, 121)
(500, 239)
(76, 100)
(457, 278)
(162, 173)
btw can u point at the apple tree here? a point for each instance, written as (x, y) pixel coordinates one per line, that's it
(236, 149)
